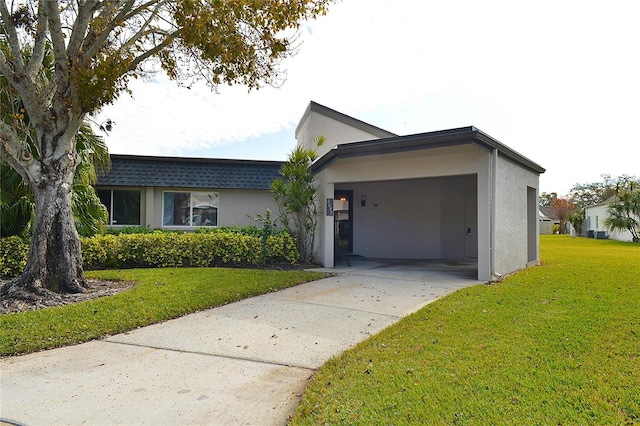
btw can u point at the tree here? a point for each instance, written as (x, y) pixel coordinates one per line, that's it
(562, 207)
(295, 193)
(589, 194)
(546, 198)
(97, 47)
(624, 213)
(90, 216)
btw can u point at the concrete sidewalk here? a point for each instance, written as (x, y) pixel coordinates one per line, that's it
(244, 363)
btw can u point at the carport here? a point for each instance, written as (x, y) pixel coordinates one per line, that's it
(452, 195)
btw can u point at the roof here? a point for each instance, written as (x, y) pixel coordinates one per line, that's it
(603, 203)
(177, 172)
(548, 212)
(443, 138)
(344, 119)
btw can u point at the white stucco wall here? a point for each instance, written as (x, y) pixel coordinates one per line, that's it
(335, 132)
(513, 218)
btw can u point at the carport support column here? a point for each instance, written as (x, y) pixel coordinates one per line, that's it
(326, 228)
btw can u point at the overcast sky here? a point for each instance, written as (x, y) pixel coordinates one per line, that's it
(558, 81)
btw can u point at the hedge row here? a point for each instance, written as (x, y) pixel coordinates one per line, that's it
(161, 249)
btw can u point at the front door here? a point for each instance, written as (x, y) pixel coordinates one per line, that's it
(343, 221)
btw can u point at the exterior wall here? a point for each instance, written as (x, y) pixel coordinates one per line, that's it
(513, 218)
(233, 208)
(334, 131)
(594, 217)
(411, 219)
(546, 226)
(405, 166)
(401, 219)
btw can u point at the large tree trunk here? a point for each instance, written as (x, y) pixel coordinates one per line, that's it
(54, 264)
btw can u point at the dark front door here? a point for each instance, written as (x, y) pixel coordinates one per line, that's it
(343, 221)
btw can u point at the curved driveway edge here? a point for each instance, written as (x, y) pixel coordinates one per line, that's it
(244, 363)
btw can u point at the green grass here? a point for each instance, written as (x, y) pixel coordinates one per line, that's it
(161, 294)
(554, 344)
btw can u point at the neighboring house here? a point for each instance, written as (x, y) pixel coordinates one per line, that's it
(594, 222)
(450, 195)
(546, 223)
(184, 193)
(547, 220)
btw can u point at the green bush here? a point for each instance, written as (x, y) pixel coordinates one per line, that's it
(13, 255)
(166, 249)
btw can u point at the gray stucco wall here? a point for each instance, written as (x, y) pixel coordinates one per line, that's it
(414, 219)
(513, 218)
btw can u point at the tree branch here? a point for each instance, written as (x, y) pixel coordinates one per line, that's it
(57, 39)
(149, 53)
(14, 153)
(85, 13)
(35, 62)
(12, 36)
(93, 47)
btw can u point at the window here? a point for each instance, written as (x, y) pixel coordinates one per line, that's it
(190, 209)
(123, 206)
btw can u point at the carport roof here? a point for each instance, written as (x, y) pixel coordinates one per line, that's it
(443, 138)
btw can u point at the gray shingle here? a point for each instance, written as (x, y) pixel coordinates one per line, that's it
(140, 171)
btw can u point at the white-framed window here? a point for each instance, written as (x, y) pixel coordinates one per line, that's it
(123, 205)
(181, 208)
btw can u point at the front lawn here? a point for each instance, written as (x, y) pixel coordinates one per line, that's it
(160, 295)
(554, 344)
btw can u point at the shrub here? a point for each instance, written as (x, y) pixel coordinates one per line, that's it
(13, 255)
(166, 249)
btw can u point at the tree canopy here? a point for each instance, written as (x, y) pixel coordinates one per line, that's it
(65, 59)
(98, 46)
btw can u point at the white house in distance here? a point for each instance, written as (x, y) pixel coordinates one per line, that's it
(594, 226)
(455, 195)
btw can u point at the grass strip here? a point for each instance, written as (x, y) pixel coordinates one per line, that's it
(160, 295)
(554, 344)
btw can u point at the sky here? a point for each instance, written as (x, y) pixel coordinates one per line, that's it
(556, 80)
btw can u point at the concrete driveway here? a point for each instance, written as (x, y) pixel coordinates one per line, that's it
(245, 363)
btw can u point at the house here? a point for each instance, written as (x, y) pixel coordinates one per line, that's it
(184, 193)
(547, 220)
(594, 222)
(456, 194)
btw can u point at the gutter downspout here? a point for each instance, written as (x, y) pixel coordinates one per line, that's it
(493, 207)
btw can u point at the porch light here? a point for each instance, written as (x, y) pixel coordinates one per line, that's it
(363, 200)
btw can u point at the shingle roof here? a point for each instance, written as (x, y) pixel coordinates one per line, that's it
(141, 171)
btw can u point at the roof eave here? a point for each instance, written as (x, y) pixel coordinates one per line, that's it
(439, 139)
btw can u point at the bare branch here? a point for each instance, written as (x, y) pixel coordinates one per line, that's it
(12, 36)
(149, 53)
(94, 46)
(59, 49)
(142, 31)
(85, 13)
(40, 43)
